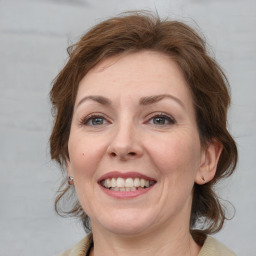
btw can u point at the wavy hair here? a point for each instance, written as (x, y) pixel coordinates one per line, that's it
(133, 32)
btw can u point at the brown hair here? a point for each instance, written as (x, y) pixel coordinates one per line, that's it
(208, 84)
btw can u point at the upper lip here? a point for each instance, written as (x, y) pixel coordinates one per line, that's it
(124, 175)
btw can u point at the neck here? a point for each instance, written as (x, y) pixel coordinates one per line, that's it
(159, 242)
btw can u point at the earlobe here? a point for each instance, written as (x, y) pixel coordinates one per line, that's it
(209, 161)
(70, 173)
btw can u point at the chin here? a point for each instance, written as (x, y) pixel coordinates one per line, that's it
(125, 223)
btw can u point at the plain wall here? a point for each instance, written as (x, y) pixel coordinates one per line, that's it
(34, 35)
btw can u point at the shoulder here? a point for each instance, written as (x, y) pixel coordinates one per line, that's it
(212, 247)
(80, 249)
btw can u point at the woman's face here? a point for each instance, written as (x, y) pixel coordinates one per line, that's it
(134, 146)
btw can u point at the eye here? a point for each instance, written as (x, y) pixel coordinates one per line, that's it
(94, 120)
(161, 120)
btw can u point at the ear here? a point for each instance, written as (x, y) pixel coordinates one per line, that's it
(209, 159)
(68, 168)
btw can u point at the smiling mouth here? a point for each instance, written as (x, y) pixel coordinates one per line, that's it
(128, 184)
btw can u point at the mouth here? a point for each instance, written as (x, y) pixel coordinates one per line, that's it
(126, 184)
(129, 183)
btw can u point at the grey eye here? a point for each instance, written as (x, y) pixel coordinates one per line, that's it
(162, 120)
(96, 121)
(159, 120)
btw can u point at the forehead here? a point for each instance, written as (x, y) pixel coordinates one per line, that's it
(135, 74)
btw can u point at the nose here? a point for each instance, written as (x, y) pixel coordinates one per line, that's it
(125, 143)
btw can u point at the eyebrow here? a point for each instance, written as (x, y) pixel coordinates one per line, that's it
(144, 101)
(156, 98)
(100, 99)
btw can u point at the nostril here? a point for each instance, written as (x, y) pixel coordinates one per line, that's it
(113, 154)
(122, 155)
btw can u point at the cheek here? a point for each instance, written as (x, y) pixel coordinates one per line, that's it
(179, 156)
(84, 155)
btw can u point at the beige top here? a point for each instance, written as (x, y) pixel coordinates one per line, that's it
(211, 247)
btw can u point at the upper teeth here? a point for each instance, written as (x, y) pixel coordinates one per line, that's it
(126, 183)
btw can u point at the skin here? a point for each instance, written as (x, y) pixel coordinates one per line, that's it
(158, 139)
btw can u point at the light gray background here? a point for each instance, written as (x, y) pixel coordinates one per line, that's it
(34, 35)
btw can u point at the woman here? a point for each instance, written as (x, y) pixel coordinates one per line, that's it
(140, 127)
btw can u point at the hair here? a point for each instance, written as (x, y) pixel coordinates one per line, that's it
(134, 32)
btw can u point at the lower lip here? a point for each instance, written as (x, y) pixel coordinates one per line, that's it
(125, 194)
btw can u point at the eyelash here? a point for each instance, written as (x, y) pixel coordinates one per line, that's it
(164, 116)
(91, 117)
